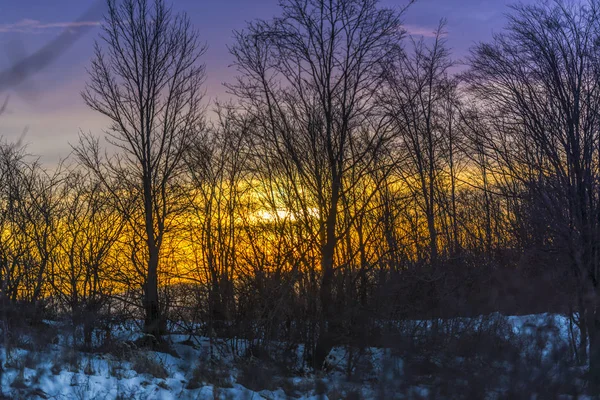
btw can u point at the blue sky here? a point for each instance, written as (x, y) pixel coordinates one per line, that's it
(49, 109)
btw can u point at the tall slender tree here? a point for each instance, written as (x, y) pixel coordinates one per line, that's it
(417, 98)
(147, 79)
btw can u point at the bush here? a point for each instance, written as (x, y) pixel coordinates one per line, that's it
(473, 358)
(257, 375)
(145, 364)
(209, 371)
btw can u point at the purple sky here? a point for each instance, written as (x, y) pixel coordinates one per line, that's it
(49, 107)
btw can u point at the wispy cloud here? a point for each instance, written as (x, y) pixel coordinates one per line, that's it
(417, 30)
(35, 26)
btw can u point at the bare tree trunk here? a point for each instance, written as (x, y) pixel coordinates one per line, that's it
(326, 327)
(593, 329)
(153, 318)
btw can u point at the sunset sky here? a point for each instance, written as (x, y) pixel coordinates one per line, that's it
(49, 109)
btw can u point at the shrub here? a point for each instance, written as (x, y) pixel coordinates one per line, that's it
(209, 371)
(145, 364)
(257, 375)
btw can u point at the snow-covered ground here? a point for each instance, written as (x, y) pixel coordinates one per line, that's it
(197, 369)
(189, 372)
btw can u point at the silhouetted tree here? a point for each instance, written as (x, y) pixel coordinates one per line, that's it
(537, 84)
(309, 77)
(148, 81)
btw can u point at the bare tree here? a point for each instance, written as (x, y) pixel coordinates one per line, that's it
(417, 101)
(537, 83)
(309, 78)
(148, 81)
(90, 227)
(218, 170)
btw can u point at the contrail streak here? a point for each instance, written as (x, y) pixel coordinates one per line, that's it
(39, 60)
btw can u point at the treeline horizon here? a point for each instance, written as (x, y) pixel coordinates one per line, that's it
(354, 179)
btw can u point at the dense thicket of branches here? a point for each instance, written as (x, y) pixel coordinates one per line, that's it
(353, 180)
